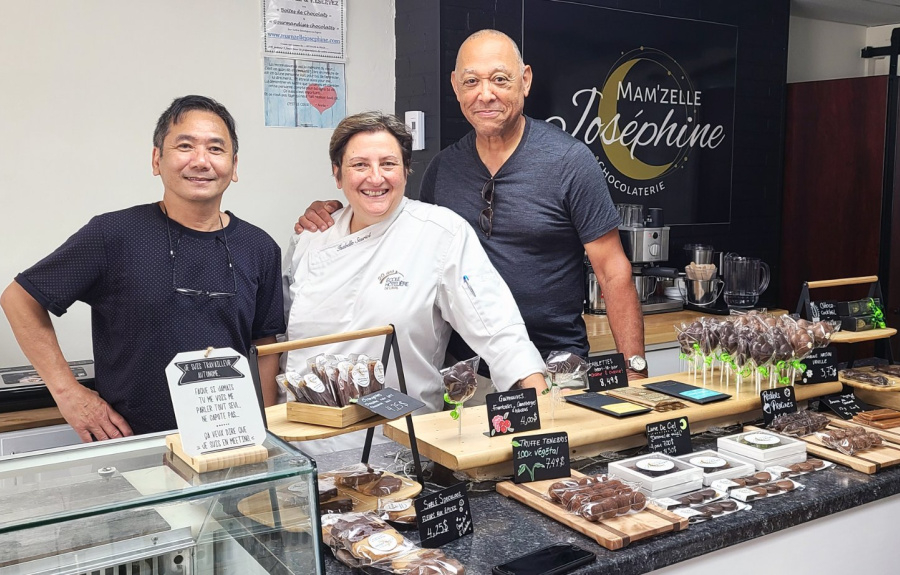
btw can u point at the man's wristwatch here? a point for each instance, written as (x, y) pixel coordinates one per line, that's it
(637, 363)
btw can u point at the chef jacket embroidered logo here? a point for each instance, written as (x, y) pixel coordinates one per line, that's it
(392, 279)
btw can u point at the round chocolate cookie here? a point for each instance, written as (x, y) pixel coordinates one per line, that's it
(763, 476)
(727, 505)
(772, 488)
(761, 491)
(751, 481)
(638, 501)
(785, 484)
(740, 481)
(707, 493)
(714, 508)
(805, 467)
(695, 498)
(816, 463)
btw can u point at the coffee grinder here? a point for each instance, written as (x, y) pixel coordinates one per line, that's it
(646, 243)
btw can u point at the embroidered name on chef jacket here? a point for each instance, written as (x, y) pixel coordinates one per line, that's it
(353, 241)
(392, 279)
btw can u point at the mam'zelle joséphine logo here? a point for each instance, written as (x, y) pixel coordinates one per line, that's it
(647, 119)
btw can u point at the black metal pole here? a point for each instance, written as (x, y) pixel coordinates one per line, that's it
(253, 358)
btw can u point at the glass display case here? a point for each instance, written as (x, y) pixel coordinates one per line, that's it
(128, 506)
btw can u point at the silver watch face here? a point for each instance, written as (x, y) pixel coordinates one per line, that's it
(637, 363)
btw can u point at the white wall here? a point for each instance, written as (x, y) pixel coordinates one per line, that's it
(878, 36)
(82, 84)
(820, 50)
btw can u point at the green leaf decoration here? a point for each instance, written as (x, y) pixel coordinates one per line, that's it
(516, 443)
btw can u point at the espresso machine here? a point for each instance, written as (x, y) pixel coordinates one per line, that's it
(646, 243)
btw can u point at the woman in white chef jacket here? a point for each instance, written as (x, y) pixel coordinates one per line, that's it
(392, 260)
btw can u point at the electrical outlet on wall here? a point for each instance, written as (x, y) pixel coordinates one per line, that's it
(415, 121)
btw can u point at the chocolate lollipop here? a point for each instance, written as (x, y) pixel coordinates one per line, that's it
(460, 382)
(563, 367)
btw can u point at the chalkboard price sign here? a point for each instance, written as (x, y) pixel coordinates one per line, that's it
(671, 437)
(444, 516)
(844, 405)
(777, 402)
(512, 411)
(821, 366)
(819, 310)
(538, 457)
(607, 372)
(390, 403)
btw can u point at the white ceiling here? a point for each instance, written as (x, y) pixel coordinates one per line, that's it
(860, 12)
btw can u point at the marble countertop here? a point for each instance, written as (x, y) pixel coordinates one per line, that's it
(505, 528)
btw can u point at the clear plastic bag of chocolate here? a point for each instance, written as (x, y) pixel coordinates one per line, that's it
(800, 423)
(365, 479)
(850, 441)
(460, 383)
(362, 539)
(565, 370)
(307, 388)
(398, 512)
(367, 373)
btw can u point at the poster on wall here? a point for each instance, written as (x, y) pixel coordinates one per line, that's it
(651, 96)
(314, 29)
(302, 94)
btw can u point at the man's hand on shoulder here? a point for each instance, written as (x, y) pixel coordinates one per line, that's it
(90, 415)
(317, 217)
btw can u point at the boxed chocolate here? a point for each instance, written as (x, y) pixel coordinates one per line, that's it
(857, 323)
(856, 307)
(658, 475)
(762, 448)
(717, 465)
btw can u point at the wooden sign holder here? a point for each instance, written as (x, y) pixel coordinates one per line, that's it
(803, 310)
(390, 345)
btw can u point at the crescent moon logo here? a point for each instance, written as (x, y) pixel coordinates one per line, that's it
(617, 152)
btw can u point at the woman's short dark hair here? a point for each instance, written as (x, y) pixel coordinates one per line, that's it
(185, 104)
(370, 122)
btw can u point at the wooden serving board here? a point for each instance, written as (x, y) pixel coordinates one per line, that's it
(869, 461)
(323, 415)
(610, 533)
(440, 440)
(859, 336)
(294, 516)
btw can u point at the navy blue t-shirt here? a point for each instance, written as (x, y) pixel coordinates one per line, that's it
(550, 198)
(120, 265)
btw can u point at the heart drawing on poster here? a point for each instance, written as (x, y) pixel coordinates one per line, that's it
(321, 97)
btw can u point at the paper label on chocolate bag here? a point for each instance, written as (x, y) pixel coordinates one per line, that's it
(314, 383)
(723, 484)
(379, 372)
(360, 375)
(397, 505)
(382, 542)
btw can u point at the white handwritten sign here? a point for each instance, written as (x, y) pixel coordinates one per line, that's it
(215, 401)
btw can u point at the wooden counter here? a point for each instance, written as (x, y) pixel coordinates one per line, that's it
(589, 432)
(15, 420)
(658, 328)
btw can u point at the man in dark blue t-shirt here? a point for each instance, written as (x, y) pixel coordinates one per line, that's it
(540, 201)
(162, 278)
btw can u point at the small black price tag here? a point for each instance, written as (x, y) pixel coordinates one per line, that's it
(444, 516)
(776, 402)
(844, 405)
(821, 366)
(538, 457)
(671, 437)
(512, 411)
(819, 310)
(607, 372)
(390, 403)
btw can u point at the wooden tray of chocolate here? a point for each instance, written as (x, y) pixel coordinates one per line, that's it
(869, 461)
(869, 387)
(613, 533)
(294, 511)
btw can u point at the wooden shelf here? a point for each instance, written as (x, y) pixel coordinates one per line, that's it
(276, 417)
(859, 336)
(589, 431)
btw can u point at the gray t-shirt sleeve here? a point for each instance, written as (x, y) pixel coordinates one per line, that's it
(587, 195)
